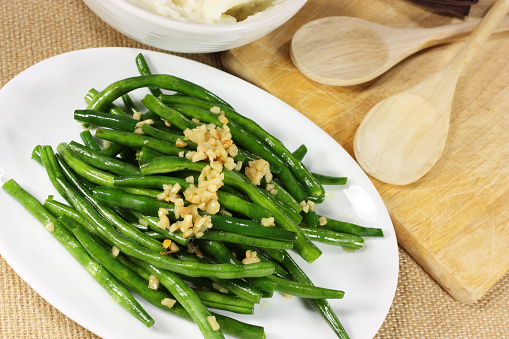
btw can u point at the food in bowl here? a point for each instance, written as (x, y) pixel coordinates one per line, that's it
(209, 11)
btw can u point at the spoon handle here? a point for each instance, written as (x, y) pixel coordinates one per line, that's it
(485, 28)
(452, 32)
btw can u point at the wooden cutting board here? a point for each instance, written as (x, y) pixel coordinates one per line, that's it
(455, 220)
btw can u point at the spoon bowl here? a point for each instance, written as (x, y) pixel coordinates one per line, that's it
(344, 51)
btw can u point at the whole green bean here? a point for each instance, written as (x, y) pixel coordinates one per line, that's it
(138, 140)
(163, 81)
(89, 141)
(98, 160)
(143, 69)
(329, 237)
(350, 228)
(244, 239)
(82, 168)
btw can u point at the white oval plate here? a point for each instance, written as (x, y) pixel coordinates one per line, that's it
(37, 108)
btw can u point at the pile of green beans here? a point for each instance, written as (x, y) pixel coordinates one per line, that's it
(109, 220)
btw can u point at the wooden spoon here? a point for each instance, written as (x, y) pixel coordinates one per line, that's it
(346, 51)
(402, 137)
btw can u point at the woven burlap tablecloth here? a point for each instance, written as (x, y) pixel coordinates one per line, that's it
(31, 31)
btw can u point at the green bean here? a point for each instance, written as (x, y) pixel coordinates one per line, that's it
(304, 290)
(114, 218)
(228, 325)
(108, 282)
(149, 192)
(88, 209)
(150, 181)
(102, 119)
(82, 168)
(329, 237)
(252, 144)
(112, 108)
(163, 81)
(321, 305)
(285, 197)
(143, 68)
(103, 162)
(59, 209)
(48, 160)
(166, 135)
(225, 302)
(129, 104)
(244, 239)
(169, 114)
(144, 154)
(300, 152)
(234, 203)
(138, 140)
(112, 149)
(36, 154)
(346, 227)
(227, 200)
(329, 179)
(89, 141)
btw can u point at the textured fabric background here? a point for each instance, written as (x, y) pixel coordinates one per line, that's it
(33, 30)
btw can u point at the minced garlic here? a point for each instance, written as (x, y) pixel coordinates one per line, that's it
(213, 144)
(257, 169)
(213, 323)
(323, 221)
(251, 258)
(307, 206)
(268, 222)
(153, 282)
(168, 302)
(50, 227)
(115, 251)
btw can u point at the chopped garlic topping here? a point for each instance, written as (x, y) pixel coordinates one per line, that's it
(115, 251)
(251, 258)
(213, 143)
(307, 206)
(213, 323)
(256, 170)
(50, 227)
(153, 282)
(268, 222)
(168, 302)
(215, 110)
(137, 116)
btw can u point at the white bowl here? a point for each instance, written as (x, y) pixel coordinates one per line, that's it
(185, 37)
